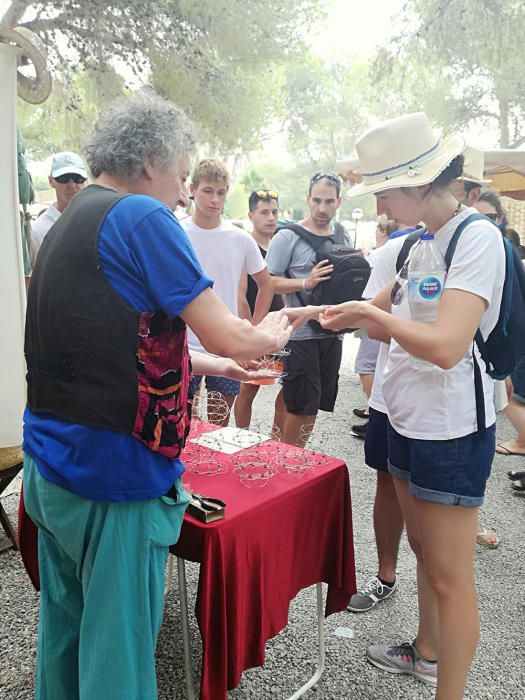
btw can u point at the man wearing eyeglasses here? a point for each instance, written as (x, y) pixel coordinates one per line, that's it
(67, 177)
(311, 371)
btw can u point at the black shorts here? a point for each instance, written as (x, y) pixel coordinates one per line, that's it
(376, 440)
(311, 375)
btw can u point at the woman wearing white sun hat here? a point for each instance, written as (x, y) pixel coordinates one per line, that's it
(439, 459)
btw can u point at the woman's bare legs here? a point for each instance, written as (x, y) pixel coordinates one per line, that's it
(443, 539)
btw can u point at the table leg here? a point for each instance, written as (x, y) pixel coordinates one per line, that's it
(320, 649)
(186, 639)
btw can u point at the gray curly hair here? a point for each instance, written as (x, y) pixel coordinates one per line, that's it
(132, 130)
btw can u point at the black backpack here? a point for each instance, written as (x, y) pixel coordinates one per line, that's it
(349, 277)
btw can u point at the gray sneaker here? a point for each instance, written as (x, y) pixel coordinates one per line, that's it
(372, 593)
(403, 659)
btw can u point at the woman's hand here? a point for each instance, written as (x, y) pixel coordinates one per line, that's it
(351, 314)
(300, 315)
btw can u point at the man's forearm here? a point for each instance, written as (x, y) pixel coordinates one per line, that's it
(244, 309)
(263, 302)
(285, 285)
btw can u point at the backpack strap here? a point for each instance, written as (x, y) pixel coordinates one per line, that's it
(457, 233)
(478, 338)
(407, 245)
(315, 242)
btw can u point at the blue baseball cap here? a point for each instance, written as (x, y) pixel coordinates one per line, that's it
(67, 162)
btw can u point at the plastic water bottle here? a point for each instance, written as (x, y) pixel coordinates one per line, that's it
(426, 280)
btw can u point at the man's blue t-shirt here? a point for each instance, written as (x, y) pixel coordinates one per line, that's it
(150, 262)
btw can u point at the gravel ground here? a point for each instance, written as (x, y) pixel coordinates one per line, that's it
(498, 670)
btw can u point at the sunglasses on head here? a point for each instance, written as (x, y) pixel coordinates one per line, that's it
(492, 216)
(325, 176)
(267, 194)
(77, 179)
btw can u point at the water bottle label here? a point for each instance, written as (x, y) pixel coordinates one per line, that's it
(423, 288)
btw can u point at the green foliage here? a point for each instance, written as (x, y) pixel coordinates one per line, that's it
(324, 108)
(64, 120)
(215, 60)
(462, 63)
(253, 181)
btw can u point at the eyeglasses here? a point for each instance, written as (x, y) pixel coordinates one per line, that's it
(401, 280)
(325, 176)
(77, 179)
(267, 194)
(492, 216)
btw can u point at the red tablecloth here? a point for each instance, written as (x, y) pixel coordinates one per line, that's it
(274, 541)
(294, 532)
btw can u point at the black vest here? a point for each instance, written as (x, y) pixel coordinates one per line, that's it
(91, 358)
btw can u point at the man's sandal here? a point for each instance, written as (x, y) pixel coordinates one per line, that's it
(519, 484)
(502, 450)
(487, 539)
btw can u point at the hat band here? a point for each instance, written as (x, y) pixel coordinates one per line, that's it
(410, 167)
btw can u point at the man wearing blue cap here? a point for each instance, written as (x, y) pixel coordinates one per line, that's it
(67, 177)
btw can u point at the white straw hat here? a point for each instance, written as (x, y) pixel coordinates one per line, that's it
(474, 166)
(403, 152)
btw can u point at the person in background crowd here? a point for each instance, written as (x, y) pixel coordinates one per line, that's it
(439, 459)
(224, 251)
(515, 239)
(489, 204)
(366, 358)
(67, 177)
(263, 212)
(515, 412)
(310, 382)
(467, 188)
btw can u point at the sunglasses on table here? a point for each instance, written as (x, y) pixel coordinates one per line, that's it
(77, 179)
(267, 194)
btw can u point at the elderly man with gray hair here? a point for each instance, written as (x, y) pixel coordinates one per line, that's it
(108, 413)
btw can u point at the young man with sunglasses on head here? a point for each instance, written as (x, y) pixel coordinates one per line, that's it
(263, 206)
(67, 177)
(311, 370)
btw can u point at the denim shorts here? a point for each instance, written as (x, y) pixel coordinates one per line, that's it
(518, 381)
(451, 472)
(227, 387)
(376, 440)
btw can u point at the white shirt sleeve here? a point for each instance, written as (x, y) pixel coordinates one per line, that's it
(384, 269)
(476, 263)
(253, 260)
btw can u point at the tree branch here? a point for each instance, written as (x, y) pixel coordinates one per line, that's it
(518, 143)
(15, 12)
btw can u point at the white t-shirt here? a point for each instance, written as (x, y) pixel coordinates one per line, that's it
(224, 252)
(40, 228)
(383, 272)
(441, 405)
(374, 254)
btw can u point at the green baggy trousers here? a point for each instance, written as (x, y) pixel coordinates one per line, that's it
(102, 590)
